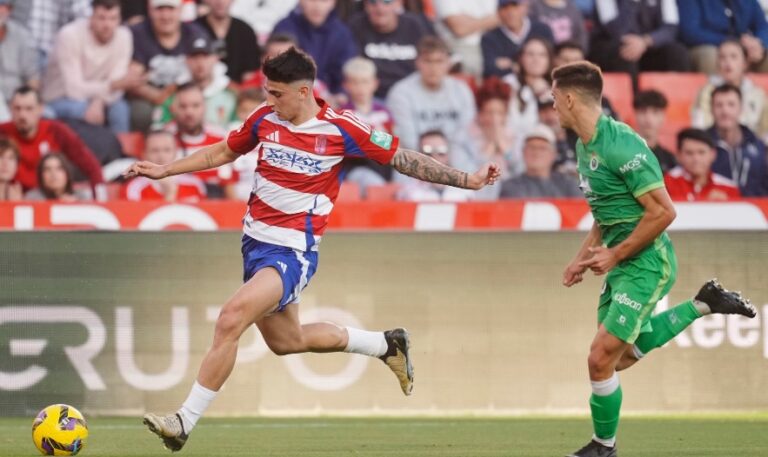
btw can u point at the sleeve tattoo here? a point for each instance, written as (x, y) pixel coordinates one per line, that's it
(425, 168)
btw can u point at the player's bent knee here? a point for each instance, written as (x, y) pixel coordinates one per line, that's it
(599, 363)
(231, 321)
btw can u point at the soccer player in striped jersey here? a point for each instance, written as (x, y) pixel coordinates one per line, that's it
(301, 143)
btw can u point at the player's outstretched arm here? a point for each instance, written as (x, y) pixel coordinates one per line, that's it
(211, 156)
(425, 168)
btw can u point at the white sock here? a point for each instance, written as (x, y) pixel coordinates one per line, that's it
(607, 386)
(367, 343)
(702, 307)
(611, 442)
(197, 402)
(638, 353)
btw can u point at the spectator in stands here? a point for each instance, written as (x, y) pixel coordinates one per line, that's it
(360, 84)
(434, 144)
(564, 20)
(531, 85)
(10, 188)
(693, 179)
(88, 69)
(133, 11)
(322, 35)
(539, 180)
(262, 15)
(207, 72)
(732, 67)
(160, 46)
(248, 100)
(632, 36)
(233, 36)
(18, 56)
(37, 137)
(650, 113)
(44, 18)
(491, 140)
(429, 99)
(192, 133)
(388, 37)
(502, 46)
(567, 52)
(740, 154)
(161, 149)
(565, 145)
(462, 24)
(710, 22)
(55, 180)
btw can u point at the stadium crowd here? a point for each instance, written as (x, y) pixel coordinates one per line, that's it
(90, 85)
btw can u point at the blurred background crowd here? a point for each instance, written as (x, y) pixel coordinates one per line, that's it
(90, 85)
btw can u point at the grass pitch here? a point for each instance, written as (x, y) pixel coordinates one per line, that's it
(697, 436)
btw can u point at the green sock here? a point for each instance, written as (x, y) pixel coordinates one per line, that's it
(605, 408)
(666, 326)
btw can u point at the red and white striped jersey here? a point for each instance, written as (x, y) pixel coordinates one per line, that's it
(187, 144)
(299, 170)
(190, 189)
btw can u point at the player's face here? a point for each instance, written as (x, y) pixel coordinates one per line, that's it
(696, 157)
(360, 87)
(9, 164)
(189, 111)
(726, 109)
(160, 149)
(26, 112)
(562, 105)
(649, 121)
(731, 63)
(54, 176)
(433, 68)
(539, 155)
(165, 19)
(317, 11)
(287, 99)
(104, 22)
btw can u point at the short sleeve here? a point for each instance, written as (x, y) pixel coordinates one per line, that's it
(632, 160)
(245, 138)
(362, 140)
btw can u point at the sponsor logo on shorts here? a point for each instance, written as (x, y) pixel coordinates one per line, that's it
(634, 164)
(625, 300)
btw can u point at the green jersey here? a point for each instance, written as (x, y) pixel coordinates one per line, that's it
(615, 168)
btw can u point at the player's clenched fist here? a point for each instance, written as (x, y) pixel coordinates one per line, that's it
(485, 176)
(148, 169)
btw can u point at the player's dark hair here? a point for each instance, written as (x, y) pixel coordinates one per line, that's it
(106, 4)
(694, 135)
(26, 90)
(430, 44)
(724, 89)
(650, 99)
(584, 77)
(291, 66)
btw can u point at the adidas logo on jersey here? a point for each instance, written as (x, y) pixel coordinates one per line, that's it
(274, 137)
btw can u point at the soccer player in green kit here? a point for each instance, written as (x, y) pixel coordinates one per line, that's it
(623, 185)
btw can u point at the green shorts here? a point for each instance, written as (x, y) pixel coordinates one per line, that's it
(632, 289)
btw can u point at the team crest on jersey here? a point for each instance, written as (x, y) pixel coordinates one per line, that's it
(593, 162)
(381, 139)
(321, 143)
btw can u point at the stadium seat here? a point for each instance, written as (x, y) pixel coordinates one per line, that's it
(680, 89)
(384, 192)
(349, 192)
(617, 87)
(132, 143)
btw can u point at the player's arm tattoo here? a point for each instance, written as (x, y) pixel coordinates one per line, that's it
(209, 159)
(425, 168)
